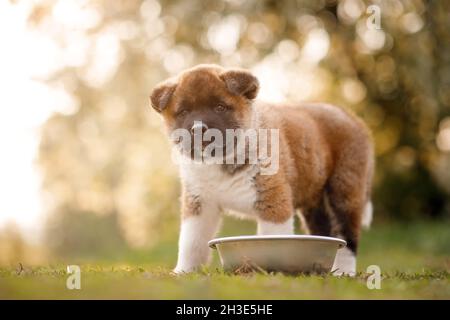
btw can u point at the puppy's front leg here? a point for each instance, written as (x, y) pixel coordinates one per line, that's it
(276, 228)
(274, 206)
(200, 222)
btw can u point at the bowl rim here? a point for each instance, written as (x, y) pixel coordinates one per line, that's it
(212, 243)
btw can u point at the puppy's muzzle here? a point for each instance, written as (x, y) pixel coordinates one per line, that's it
(199, 128)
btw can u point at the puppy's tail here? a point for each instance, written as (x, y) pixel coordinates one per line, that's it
(367, 215)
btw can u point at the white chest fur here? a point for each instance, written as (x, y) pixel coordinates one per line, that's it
(218, 191)
(233, 193)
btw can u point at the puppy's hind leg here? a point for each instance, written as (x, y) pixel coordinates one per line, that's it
(345, 206)
(316, 220)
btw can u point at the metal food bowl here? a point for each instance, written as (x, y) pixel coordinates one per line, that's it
(280, 253)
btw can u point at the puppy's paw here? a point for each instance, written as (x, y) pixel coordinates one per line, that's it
(344, 263)
(345, 273)
(180, 270)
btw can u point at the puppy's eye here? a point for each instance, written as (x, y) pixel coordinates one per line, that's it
(182, 113)
(220, 108)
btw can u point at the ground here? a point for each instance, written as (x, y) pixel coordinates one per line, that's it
(414, 260)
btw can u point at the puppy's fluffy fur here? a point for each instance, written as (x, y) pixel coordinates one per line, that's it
(325, 165)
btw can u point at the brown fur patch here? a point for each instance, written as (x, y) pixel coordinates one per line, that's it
(191, 205)
(325, 154)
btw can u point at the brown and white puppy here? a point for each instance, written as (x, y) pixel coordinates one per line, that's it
(324, 174)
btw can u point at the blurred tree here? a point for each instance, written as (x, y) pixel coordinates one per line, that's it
(84, 234)
(108, 154)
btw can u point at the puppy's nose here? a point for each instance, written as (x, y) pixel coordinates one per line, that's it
(199, 127)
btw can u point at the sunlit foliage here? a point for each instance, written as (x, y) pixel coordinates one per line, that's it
(106, 154)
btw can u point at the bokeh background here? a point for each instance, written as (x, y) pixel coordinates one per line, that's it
(85, 169)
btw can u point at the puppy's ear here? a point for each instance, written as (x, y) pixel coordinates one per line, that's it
(241, 82)
(161, 95)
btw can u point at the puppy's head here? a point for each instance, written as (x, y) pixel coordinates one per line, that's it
(218, 98)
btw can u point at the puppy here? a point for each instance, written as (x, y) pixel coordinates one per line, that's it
(324, 170)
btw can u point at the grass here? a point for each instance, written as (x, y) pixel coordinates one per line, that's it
(414, 260)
